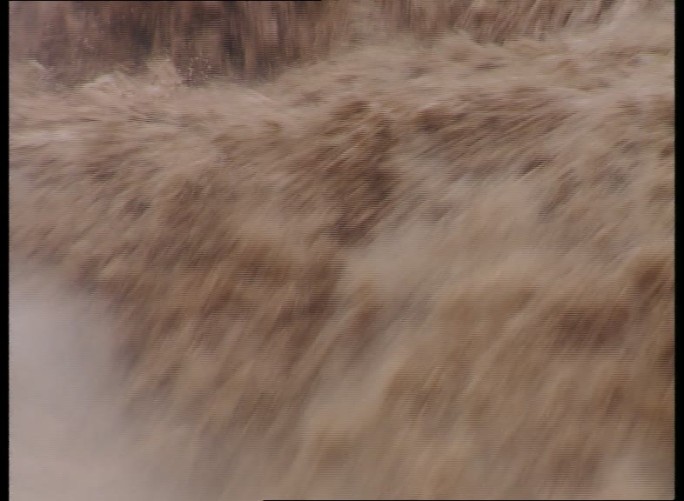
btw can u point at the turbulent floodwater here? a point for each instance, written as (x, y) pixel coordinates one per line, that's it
(408, 270)
(68, 437)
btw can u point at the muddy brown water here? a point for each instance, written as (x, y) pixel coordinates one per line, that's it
(69, 439)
